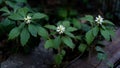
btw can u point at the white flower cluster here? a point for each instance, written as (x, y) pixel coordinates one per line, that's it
(99, 19)
(27, 19)
(60, 29)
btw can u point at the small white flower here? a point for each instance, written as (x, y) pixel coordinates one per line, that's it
(60, 29)
(99, 19)
(27, 19)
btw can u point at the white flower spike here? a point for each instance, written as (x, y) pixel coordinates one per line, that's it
(27, 19)
(60, 29)
(99, 19)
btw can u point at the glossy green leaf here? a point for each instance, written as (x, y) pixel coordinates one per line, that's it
(105, 34)
(5, 9)
(43, 32)
(6, 22)
(82, 47)
(108, 22)
(16, 16)
(89, 37)
(21, 26)
(58, 59)
(70, 34)
(57, 42)
(14, 33)
(24, 1)
(11, 4)
(49, 44)
(24, 36)
(32, 29)
(39, 16)
(23, 11)
(88, 18)
(103, 27)
(99, 49)
(1, 1)
(95, 31)
(76, 23)
(101, 56)
(66, 23)
(52, 27)
(68, 41)
(71, 29)
(112, 33)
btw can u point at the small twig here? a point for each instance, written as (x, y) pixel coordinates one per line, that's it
(73, 61)
(98, 64)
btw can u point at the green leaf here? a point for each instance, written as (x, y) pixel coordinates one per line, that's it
(1, 1)
(95, 31)
(39, 16)
(43, 32)
(89, 37)
(66, 23)
(88, 18)
(16, 17)
(57, 42)
(58, 59)
(24, 36)
(79, 37)
(71, 29)
(105, 34)
(11, 4)
(5, 9)
(101, 56)
(110, 64)
(6, 22)
(23, 11)
(68, 41)
(103, 27)
(49, 44)
(76, 23)
(82, 47)
(69, 34)
(108, 22)
(32, 29)
(99, 49)
(91, 34)
(14, 33)
(21, 26)
(52, 27)
(23, 1)
(112, 33)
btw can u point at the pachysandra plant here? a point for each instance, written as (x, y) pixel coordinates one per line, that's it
(26, 24)
(100, 30)
(61, 38)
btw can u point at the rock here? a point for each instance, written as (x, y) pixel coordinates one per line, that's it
(39, 58)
